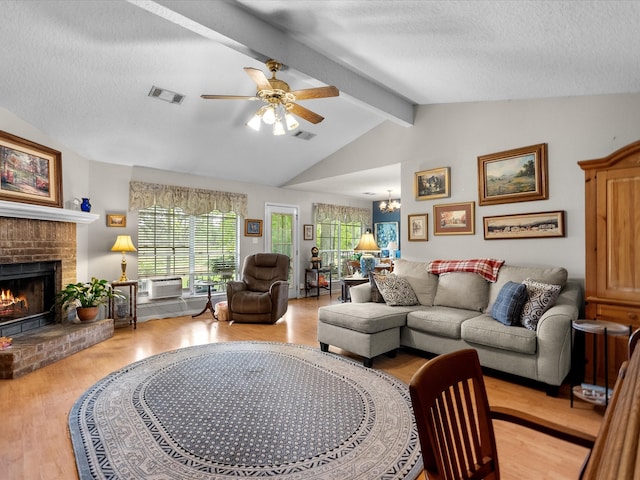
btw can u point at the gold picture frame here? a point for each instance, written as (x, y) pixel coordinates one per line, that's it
(29, 172)
(116, 220)
(418, 227)
(431, 184)
(518, 175)
(454, 219)
(525, 225)
(252, 227)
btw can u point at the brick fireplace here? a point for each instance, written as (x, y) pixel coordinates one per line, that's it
(44, 241)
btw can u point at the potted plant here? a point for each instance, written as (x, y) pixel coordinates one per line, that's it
(87, 297)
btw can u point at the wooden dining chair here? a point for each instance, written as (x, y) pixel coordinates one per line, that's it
(454, 419)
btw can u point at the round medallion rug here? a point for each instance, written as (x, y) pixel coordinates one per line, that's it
(246, 409)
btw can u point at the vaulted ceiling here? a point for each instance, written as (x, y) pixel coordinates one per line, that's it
(81, 72)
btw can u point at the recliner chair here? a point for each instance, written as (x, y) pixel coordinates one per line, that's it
(262, 296)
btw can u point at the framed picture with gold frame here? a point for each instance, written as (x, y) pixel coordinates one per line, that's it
(116, 220)
(418, 227)
(431, 184)
(454, 219)
(518, 175)
(30, 173)
(252, 227)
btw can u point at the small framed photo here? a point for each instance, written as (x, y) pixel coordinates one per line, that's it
(308, 232)
(252, 227)
(454, 219)
(116, 220)
(430, 184)
(418, 227)
(30, 173)
(518, 175)
(525, 225)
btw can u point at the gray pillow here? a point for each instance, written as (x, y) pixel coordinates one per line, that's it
(424, 284)
(462, 290)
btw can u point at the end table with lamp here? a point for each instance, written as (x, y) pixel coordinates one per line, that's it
(124, 244)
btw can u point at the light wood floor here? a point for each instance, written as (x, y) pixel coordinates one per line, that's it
(34, 438)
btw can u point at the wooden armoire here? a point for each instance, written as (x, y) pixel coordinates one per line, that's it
(612, 236)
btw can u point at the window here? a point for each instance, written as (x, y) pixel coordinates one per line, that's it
(202, 249)
(336, 241)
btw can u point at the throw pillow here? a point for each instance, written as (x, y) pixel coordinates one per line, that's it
(541, 297)
(396, 290)
(508, 306)
(462, 290)
(376, 296)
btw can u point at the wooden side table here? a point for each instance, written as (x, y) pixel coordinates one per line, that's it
(132, 314)
(592, 393)
(347, 283)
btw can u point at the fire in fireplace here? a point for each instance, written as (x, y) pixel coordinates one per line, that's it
(27, 295)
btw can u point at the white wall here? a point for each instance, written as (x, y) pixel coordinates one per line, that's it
(454, 135)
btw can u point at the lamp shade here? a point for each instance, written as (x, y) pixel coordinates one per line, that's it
(367, 243)
(392, 245)
(123, 244)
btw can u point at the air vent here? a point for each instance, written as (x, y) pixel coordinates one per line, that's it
(166, 95)
(302, 135)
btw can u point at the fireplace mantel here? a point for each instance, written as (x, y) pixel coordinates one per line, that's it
(38, 212)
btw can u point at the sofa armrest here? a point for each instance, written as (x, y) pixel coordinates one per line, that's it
(360, 293)
(554, 335)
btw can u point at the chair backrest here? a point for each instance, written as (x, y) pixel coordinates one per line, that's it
(262, 269)
(453, 419)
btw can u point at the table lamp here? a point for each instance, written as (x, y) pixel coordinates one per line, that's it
(123, 244)
(367, 245)
(392, 247)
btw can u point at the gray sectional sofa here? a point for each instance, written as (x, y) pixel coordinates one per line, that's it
(454, 312)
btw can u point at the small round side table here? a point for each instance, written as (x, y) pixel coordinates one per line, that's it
(597, 327)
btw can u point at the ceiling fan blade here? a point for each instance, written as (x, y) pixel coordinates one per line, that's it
(320, 92)
(228, 97)
(305, 113)
(258, 77)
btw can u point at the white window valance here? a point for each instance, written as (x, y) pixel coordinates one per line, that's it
(325, 212)
(192, 201)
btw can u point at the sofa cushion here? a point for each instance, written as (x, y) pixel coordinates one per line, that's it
(440, 321)
(508, 273)
(508, 305)
(364, 317)
(396, 290)
(541, 297)
(465, 290)
(376, 295)
(484, 330)
(423, 283)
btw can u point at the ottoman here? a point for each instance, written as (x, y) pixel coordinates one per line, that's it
(366, 329)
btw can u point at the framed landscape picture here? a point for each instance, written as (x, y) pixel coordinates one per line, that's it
(454, 219)
(525, 225)
(518, 175)
(30, 173)
(418, 228)
(430, 184)
(116, 220)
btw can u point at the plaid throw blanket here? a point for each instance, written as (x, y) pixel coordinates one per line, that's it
(487, 267)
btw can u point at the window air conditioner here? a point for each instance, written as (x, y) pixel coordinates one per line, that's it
(165, 287)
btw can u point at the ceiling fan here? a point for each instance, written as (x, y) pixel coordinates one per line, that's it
(279, 100)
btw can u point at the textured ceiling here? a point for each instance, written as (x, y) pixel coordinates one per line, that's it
(81, 71)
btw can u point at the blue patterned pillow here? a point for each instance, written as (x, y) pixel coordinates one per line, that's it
(541, 297)
(508, 306)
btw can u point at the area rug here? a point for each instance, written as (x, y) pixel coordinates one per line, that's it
(246, 409)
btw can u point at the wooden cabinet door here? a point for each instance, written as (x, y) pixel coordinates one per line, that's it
(618, 234)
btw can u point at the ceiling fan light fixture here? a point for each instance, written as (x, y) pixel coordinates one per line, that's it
(278, 128)
(292, 123)
(269, 115)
